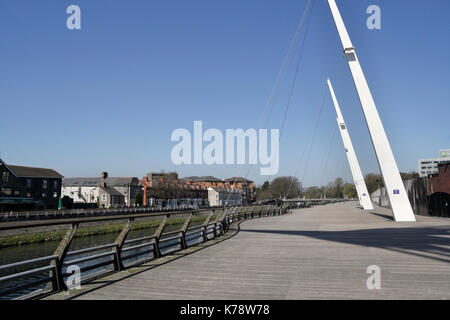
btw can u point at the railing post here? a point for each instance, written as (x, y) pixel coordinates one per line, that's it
(256, 213)
(251, 212)
(120, 240)
(157, 234)
(205, 226)
(61, 251)
(222, 220)
(216, 220)
(183, 232)
(233, 213)
(279, 209)
(244, 213)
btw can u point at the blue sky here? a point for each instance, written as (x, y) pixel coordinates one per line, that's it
(108, 96)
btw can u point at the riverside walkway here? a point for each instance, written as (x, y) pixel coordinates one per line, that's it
(315, 253)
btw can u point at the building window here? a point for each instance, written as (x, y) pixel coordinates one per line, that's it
(44, 184)
(5, 176)
(28, 183)
(28, 195)
(55, 184)
(16, 192)
(103, 197)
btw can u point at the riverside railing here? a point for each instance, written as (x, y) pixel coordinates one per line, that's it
(45, 275)
(87, 212)
(93, 212)
(35, 278)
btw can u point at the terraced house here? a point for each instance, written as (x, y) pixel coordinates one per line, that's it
(106, 191)
(24, 187)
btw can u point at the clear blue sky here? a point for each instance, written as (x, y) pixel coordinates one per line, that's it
(108, 96)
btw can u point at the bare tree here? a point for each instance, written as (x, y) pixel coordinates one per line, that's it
(289, 187)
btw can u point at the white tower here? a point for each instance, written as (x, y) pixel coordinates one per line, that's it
(401, 207)
(361, 189)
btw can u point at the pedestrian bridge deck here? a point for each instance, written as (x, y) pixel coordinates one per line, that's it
(315, 253)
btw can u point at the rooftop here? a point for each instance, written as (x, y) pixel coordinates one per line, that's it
(32, 172)
(111, 191)
(202, 179)
(94, 182)
(237, 179)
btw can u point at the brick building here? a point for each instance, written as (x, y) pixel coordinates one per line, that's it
(165, 189)
(168, 189)
(246, 186)
(438, 189)
(440, 182)
(248, 192)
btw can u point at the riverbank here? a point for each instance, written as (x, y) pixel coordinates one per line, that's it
(108, 228)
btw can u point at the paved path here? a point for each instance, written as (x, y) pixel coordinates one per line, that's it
(317, 253)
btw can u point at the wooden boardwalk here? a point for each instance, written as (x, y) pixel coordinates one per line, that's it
(317, 253)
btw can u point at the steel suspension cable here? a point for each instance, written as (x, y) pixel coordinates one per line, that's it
(281, 74)
(309, 145)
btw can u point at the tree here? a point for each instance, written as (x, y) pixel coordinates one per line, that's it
(329, 190)
(280, 187)
(409, 176)
(313, 193)
(349, 190)
(286, 186)
(265, 186)
(373, 182)
(338, 187)
(138, 200)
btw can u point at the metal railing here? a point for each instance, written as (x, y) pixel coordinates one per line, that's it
(97, 261)
(88, 212)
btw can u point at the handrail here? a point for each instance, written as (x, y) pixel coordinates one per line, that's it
(91, 211)
(25, 273)
(104, 246)
(41, 223)
(27, 262)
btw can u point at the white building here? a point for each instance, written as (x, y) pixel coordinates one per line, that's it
(429, 166)
(224, 197)
(86, 190)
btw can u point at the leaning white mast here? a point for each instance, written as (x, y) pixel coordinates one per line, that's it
(360, 185)
(401, 207)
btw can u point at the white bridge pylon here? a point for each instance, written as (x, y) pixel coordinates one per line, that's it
(401, 207)
(358, 178)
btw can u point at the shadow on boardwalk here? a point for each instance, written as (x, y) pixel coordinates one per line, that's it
(415, 241)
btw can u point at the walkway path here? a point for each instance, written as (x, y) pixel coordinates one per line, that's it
(317, 253)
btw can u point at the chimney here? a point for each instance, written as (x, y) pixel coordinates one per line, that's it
(103, 176)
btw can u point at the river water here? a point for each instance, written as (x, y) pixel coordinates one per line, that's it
(29, 251)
